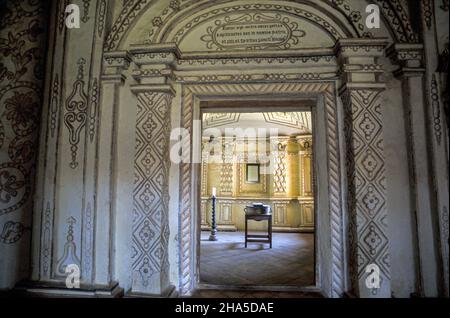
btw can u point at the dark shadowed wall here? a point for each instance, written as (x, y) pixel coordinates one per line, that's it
(22, 62)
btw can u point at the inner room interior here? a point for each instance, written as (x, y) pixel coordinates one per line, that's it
(254, 154)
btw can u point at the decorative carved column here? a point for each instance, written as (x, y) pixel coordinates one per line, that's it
(279, 168)
(150, 228)
(305, 165)
(204, 186)
(115, 65)
(225, 206)
(361, 92)
(72, 220)
(306, 194)
(226, 169)
(204, 214)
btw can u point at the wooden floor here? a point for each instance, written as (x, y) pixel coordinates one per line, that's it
(227, 262)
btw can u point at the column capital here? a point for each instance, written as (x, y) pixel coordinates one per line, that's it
(114, 64)
(358, 59)
(305, 143)
(153, 88)
(409, 58)
(155, 63)
(368, 87)
(347, 48)
(280, 141)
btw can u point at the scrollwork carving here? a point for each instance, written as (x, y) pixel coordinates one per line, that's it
(76, 112)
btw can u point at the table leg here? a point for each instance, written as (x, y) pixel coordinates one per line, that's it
(246, 221)
(270, 231)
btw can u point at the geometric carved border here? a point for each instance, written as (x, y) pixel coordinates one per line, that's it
(325, 89)
(369, 239)
(150, 226)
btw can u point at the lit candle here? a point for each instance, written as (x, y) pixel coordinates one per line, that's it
(213, 192)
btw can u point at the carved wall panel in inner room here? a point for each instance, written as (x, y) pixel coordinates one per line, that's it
(22, 61)
(285, 181)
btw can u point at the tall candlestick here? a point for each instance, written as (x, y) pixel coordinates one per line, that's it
(212, 236)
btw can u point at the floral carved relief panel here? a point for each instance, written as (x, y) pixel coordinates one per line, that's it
(22, 45)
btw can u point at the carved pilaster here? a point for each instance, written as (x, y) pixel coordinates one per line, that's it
(305, 166)
(205, 158)
(280, 166)
(226, 169)
(73, 181)
(150, 228)
(306, 186)
(409, 58)
(204, 214)
(362, 94)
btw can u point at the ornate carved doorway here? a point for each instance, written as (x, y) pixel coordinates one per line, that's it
(330, 259)
(257, 151)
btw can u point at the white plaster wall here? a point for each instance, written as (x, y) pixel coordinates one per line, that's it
(174, 193)
(400, 221)
(124, 181)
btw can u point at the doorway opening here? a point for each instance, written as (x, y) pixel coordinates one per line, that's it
(255, 155)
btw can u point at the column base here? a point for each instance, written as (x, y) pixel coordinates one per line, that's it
(58, 290)
(170, 292)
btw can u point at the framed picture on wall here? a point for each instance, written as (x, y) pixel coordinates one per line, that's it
(252, 173)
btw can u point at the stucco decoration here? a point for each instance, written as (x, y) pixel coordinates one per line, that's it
(326, 90)
(75, 117)
(22, 46)
(367, 184)
(158, 43)
(150, 219)
(165, 24)
(368, 219)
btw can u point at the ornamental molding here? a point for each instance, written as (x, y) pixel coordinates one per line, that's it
(325, 89)
(395, 13)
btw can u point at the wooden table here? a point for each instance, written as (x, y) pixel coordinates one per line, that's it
(259, 238)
